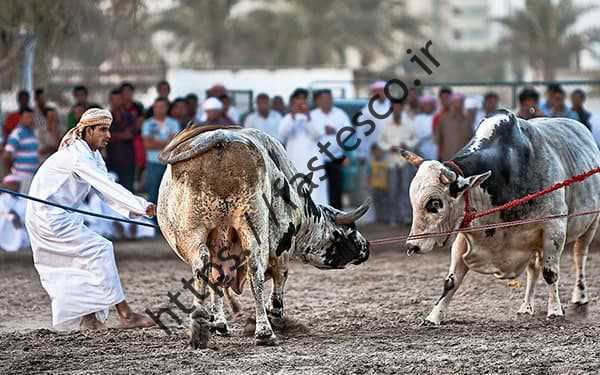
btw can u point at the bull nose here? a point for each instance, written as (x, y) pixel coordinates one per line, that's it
(412, 249)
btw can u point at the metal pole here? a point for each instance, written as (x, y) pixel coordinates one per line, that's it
(29, 44)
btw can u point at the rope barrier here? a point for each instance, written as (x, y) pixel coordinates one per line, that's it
(101, 216)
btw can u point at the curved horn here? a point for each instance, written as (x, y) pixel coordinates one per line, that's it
(447, 176)
(412, 158)
(350, 217)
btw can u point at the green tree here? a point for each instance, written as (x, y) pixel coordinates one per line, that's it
(543, 34)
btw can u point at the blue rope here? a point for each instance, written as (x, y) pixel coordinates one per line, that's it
(78, 211)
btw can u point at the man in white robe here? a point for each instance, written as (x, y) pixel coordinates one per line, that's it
(301, 136)
(76, 265)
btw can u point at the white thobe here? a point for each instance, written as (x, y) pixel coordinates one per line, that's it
(76, 265)
(12, 238)
(397, 135)
(337, 119)
(381, 108)
(423, 125)
(269, 125)
(300, 137)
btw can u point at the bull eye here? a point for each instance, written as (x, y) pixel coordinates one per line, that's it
(434, 205)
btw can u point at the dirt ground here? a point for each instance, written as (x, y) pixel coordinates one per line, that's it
(354, 321)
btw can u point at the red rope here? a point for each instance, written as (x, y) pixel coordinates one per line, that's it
(472, 215)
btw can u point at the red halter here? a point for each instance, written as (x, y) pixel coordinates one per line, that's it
(469, 212)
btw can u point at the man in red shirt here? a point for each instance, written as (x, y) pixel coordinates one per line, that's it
(13, 118)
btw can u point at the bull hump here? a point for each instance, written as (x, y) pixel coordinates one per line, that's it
(197, 139)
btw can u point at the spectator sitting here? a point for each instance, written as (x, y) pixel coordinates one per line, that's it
(378, 183)
(49, 136)
(528, 104)
(558, 108)
(278, 105)
(213, 113)
(263, 118)
(120, 154)
(577, 100)
(12, 119)
(179, 111)
(80, 95)
(157, 131)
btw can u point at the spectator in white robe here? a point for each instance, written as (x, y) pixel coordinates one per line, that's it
(423, 125)
(300, 136)
(77, 266)
(398, 134)
(330, 120)
(381, 108)
(264, 118)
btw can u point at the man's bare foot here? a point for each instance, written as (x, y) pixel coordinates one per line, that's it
(90, 323)
(135, 320)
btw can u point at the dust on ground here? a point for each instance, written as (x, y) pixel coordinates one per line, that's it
(364, 320)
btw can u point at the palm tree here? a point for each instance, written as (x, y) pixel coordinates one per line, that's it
(543, 34)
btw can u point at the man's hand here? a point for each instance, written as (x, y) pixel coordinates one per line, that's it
(151, 210)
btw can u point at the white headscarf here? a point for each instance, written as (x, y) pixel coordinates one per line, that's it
(91, 117)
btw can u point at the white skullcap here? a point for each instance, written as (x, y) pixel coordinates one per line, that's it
(212, 104)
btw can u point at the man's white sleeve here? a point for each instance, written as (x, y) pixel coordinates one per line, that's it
(115, 195)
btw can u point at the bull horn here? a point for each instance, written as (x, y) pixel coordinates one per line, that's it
(447, 176)
(346, 218)
(412, 158)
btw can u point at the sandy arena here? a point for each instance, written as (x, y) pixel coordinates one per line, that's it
(356, 321)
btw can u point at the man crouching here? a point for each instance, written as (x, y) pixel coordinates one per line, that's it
(77, 266)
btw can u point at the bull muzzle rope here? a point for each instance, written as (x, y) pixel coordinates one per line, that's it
(71, 209)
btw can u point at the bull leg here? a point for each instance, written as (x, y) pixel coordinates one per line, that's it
(280, 273)
(256, 239)
(234, 305)
(200, 317)
(457, 272)
(219, 319)
(580, 251)
(533, 272)
(554, 242)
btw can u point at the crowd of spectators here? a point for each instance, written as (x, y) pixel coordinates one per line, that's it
(434, 127)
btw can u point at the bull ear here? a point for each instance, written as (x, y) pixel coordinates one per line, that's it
(463, 184)
(447, 176)
(412, 158)
(346, 218)
(476, 180)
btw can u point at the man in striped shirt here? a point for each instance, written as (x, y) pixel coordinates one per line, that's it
(20, 156)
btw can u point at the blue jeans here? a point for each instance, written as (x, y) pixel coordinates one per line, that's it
(154, 173)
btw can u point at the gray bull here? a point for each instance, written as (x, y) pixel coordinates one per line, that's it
(509, 158)
(233, 206)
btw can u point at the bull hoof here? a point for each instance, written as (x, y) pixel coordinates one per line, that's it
(556, 314)
(579, 309)
(427, 322)
(270, 340)
(200, 334)
(526, 309)
(220, 328)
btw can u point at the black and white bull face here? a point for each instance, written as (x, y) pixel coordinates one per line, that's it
(339, 242)
(436, 195)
